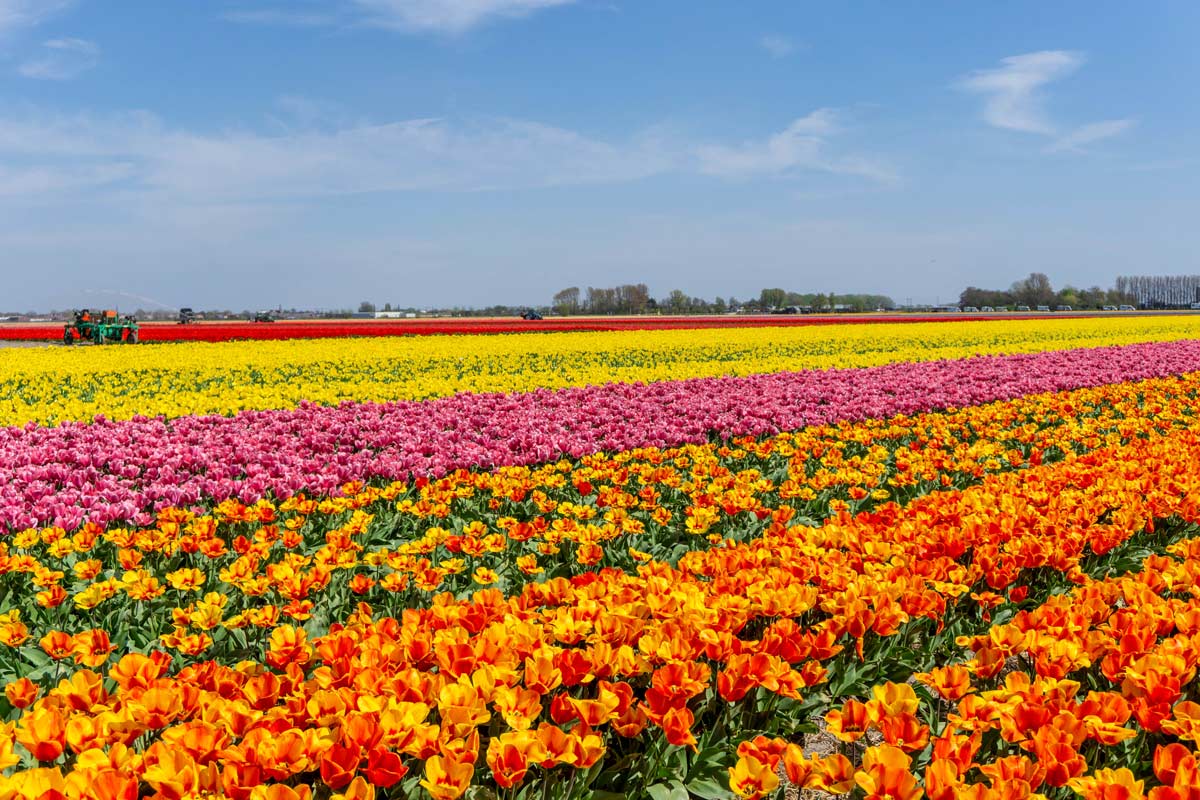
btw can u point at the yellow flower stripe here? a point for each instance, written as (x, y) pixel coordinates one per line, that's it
(52, 385)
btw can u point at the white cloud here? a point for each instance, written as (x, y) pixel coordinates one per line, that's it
(448, 16)
(1089, 134)
(1011, 91)
(800, 146)
(409, 155)
(16, 14)
(778, 46)
(1013, 101)
(62, 59)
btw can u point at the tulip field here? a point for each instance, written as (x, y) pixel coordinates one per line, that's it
(887, 561)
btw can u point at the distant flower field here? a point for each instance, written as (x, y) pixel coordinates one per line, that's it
(47, 386)
(953, 560)
(224, 331)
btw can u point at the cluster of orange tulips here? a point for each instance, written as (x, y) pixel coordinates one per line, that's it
(622, 623)
(1069, 693)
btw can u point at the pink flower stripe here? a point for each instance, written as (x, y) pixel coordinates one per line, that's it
(109, 471)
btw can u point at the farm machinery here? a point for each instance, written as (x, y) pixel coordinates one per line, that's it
(99, 327)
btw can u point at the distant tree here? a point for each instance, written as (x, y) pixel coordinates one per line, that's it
(567, 301)
(1093, 297)
(631, 298)
(1068, 296)
(772, 298)
(678, 302)
(387, 306)
(1034, 290)
(719, 306)
(366, 307)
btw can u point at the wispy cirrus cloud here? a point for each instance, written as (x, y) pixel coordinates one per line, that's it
(1013, 98)
(448, 16)
(1090, 133)
(314, 158)
(62, 59)
(16, 14)
(409, 16)
(802, 145)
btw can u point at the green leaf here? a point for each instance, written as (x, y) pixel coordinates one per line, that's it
(668, 791)
(709, 789)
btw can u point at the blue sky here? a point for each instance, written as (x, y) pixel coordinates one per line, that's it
(315, 153)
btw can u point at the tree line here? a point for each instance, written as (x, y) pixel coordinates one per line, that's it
(636, 299)
(1161, 291)
(1036, 290)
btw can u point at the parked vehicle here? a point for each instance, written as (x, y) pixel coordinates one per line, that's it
(1109, 308)
(987, 309)
(970, 310)
(1064, 308)
(1127, 307)
(1043, 308)
(1022, 308)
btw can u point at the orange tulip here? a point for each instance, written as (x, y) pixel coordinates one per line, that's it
(279, 791)
(339, 765)
(885, 775)
(384, 768)
(43, 733)
(904, 731)
(109, 784)
(172, 772)
(833, 774)
(201, 740)
(446, 778)
(507, 762)
(358, 789)
(1167, 758)
(752, 778)
(57, 645)
(92, 648)
(951, 682)
(21, 693)
(1109, 784)
(288, 645)
(850, 722)
(136, 671)
(942, 780)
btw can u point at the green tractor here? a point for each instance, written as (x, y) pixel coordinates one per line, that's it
(99, 327)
